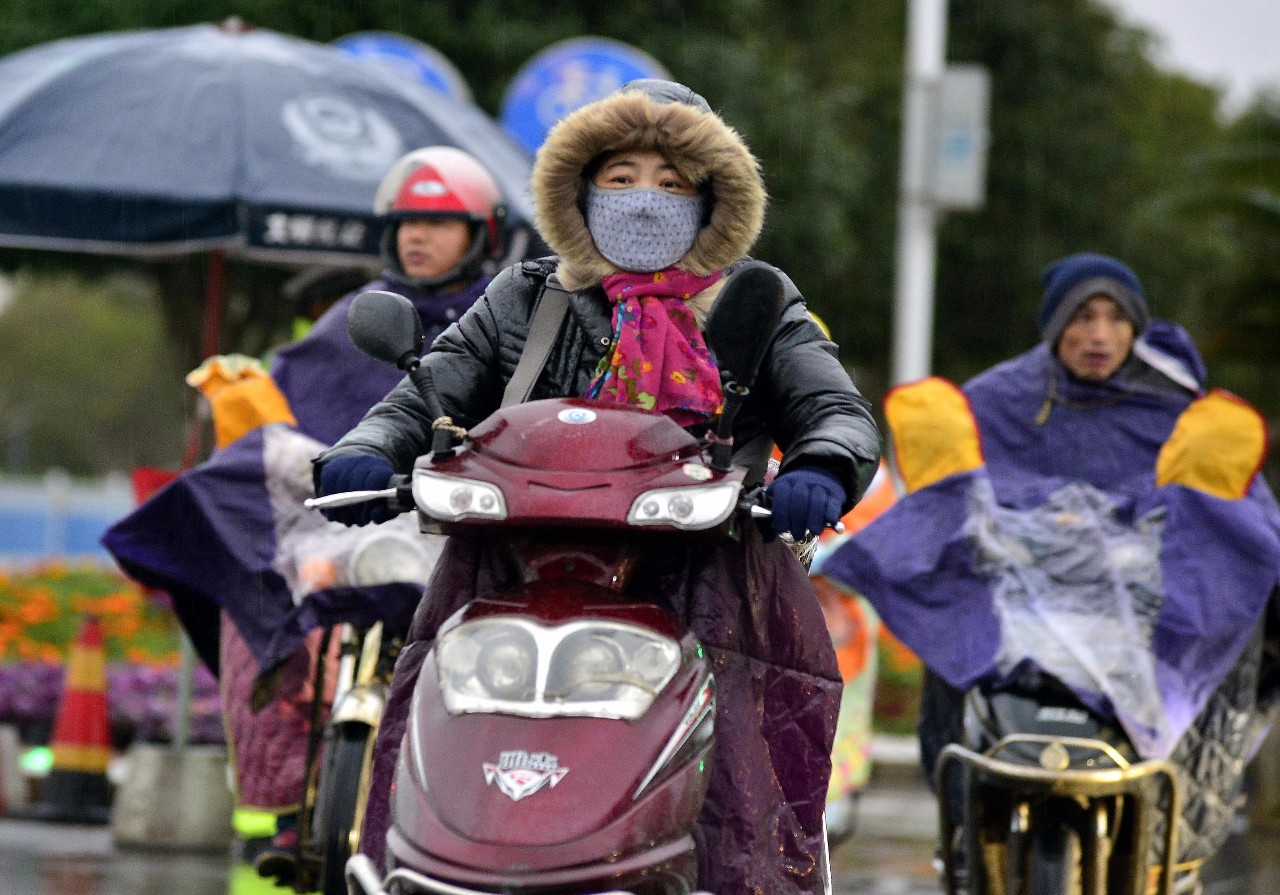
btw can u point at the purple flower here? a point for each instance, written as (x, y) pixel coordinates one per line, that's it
(141, 700)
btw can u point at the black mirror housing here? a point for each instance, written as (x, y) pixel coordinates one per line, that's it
(742, 321)
(386, 327)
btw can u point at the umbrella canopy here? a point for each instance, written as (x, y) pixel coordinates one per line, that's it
(218, 137)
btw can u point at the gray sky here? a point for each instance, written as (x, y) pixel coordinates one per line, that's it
(1234, 43)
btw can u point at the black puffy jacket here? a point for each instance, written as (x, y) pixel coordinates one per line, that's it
(803, 400)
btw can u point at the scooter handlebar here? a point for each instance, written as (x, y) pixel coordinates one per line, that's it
(347, 498)
(398, 492)
(759, 512)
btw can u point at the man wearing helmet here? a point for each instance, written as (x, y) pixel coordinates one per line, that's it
(444, 215)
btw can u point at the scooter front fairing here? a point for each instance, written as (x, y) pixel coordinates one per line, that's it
(553, 793)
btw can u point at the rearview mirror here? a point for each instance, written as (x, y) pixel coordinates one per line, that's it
(386, 327)
(742, 320)
(738, 331)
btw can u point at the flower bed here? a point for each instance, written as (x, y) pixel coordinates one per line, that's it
(41, 611)
(897, 696)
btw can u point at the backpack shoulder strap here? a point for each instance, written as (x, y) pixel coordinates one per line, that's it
(544, 327)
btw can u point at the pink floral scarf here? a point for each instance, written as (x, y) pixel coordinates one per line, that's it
(659, 360)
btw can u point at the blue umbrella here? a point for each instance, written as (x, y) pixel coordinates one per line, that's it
(221, 137)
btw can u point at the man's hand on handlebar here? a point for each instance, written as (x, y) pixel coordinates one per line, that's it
(357, 472)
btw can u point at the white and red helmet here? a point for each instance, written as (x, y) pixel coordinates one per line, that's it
(443, 181)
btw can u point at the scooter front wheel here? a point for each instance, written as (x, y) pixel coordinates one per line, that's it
(1055, 861)
(341, 803)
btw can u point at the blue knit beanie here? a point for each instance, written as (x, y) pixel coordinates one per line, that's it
(1071, 281)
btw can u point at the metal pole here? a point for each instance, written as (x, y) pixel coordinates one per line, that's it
(917, 214)
(182, 703)
(210, 343)
(215, 288)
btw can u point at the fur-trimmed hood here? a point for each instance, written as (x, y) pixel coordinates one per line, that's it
(675, 121)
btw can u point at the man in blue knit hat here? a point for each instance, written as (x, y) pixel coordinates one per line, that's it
(1105, 433)
(1093, 311)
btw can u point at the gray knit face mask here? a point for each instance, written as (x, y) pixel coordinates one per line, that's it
(640, 229)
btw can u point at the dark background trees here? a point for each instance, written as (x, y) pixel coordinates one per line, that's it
(1093, 147)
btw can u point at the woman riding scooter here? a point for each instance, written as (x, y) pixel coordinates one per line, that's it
(650, 201)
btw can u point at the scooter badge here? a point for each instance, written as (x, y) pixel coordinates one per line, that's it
(519, 773)
(696, 471)
(576, 416)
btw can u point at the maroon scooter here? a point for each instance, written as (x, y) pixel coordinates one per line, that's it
(561, 732)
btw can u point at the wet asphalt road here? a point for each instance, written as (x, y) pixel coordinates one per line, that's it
(890, 855)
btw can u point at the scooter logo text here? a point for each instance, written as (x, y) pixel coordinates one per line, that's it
(519, 773)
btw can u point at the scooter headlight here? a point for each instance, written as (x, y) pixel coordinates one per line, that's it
(385, 557)
(483, 664)
(506, 666)
(611, 666)
(449, 498)
(591, 669)
(690, 508)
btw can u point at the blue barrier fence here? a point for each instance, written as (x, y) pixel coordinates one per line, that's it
(58, 516)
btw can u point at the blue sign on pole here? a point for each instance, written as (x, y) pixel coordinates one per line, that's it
(408, 57)
(566, 75)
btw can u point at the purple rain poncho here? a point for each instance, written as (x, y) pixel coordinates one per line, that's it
(232, 533)
(947, 567)
(228, 540)
(329, 384)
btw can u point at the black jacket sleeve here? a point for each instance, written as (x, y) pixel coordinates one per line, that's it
(470, 363)
(804, 400)
(809, 405)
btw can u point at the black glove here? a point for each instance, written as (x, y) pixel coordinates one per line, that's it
(357, 472)
(806, 500)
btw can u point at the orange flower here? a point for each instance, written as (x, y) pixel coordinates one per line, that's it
(138, 656)
(9, 633)
(121, 627)
(899, 657)
(679, 377)
(119, 603)
(35, 612)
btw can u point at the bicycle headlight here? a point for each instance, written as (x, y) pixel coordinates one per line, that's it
(691, 508)
(450, 499)
(386, 557)
(594, 669)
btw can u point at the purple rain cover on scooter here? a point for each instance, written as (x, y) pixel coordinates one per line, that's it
(230, 533)
(1217, 560)
(778, 693)
(330, 384)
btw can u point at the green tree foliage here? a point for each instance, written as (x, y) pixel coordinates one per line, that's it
(1086, 132)
(87, 383)
(1233, 190)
